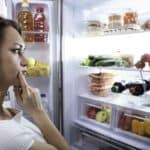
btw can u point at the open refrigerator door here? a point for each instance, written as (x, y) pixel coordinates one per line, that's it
(40, 36)
(102, 41)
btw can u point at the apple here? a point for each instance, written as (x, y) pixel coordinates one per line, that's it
(101, 116)
(31, 61)
(108, 110)
(91, 113)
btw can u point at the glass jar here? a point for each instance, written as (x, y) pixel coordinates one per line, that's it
(115, 20)
(130, 17)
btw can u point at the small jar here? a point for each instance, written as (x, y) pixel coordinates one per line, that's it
(115, 20)
(130, 17)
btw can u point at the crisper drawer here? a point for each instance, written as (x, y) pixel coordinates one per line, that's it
(81, 140)
(95, 112)
(133, 123)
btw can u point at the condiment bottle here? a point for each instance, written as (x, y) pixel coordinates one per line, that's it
(25, 19)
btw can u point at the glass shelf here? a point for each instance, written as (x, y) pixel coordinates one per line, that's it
(115, 68)
(136, 103)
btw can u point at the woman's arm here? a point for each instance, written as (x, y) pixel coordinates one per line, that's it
(37, 145)
(29, 99)
(50, 132)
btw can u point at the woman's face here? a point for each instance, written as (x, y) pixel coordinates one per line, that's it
(12, 59)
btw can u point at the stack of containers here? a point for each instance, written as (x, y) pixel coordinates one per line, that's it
(100, 83)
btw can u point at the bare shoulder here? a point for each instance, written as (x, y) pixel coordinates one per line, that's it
(37, 145)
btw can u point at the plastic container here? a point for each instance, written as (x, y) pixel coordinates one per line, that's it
(115, 21)
(44, 101)
(130, 17)
(25, 19)
(40, 25)
(134, 124)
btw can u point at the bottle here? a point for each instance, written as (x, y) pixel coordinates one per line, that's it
(25, 19)
(40, 25)
(138, 88)
(119, 87)
(44, 101)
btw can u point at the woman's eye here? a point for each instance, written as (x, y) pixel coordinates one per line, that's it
(17, 51)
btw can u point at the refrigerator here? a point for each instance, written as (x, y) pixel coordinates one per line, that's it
(71, 38)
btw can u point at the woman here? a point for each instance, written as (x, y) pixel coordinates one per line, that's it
(17, 133)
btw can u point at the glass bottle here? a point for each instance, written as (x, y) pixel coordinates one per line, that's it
(118, 87)
(40, 25)
(25, 19)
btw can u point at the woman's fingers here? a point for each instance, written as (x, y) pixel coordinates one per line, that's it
(23, 81)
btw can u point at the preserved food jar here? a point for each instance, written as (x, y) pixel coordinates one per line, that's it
(130, 17)
(25, 19)
(40, 25)
(115, 20)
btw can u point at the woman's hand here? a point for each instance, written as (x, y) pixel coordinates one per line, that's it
(27, 96)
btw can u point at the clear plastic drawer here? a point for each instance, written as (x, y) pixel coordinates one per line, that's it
(133, 123)
(96, 113)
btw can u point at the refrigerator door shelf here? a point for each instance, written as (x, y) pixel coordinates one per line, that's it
(129, 143)
(33, 4)
(38, 46)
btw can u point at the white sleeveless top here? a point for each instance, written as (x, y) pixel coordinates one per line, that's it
(18, 133)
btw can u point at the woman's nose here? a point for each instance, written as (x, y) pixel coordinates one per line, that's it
(24, 61)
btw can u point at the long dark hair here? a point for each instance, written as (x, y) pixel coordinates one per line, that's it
(5, 23)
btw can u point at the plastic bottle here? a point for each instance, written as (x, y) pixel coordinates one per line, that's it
(44, 101)
(40, 25)
(25, 19)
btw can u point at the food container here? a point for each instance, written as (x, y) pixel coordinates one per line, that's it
(130, 17)
(100, 83)
(95, 112)
(115, 20)
(134, 124)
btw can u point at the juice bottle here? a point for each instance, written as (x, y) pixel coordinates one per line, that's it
(25, 19)
(40, 25)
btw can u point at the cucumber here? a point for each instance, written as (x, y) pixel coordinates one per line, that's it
(105, 63)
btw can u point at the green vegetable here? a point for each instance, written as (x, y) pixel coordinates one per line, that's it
(85, 62)
(105, 63)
